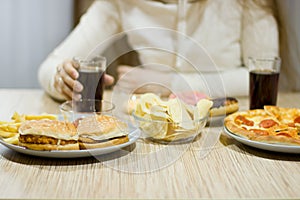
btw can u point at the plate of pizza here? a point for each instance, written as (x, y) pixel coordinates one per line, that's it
(273, 128)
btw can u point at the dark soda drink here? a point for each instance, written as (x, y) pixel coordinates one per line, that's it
(92, 82)
(263, 88)
(91, 75)
(93, 86)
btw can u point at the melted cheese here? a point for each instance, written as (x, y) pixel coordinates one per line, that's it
(101, 127)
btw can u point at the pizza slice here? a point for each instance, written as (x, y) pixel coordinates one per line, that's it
(263, 125)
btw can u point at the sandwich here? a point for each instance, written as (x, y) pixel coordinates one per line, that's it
(101, 131)
(47, 135)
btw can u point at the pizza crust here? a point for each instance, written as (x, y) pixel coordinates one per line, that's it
(278, 140)
(238, 130)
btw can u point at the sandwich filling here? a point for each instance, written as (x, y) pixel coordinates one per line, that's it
(47, 132)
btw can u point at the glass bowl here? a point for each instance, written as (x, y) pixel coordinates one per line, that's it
(72, 110)
(168, 131)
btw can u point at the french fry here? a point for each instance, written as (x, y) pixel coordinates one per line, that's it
(10, 127)
(17, 117)
(7, 134)
(21, 118)
(5, 122)
(12, 140)
(39, 117)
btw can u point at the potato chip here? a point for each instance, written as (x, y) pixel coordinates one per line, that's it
(147, 101)
(175, 110)
(179, 114)
(155, 126)
(159, 112)
(203, 107)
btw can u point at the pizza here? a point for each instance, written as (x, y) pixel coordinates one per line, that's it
(272, 124)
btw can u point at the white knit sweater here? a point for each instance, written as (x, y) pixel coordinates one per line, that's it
(207, 41)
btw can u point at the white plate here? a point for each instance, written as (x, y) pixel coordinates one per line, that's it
(133, 136)
(283, 148)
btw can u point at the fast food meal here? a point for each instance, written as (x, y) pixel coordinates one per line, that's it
(101, 131)
(45, 132)
(9, 130)
(48, 135)
(272, 124)
(172, 119)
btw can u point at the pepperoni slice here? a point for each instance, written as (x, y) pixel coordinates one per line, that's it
(284, 134)
(267, 123)
(260, 132)
(291, 124)
(297, 120)
(243, 120)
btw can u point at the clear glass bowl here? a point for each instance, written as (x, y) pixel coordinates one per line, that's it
(72, 110)
(166, 131)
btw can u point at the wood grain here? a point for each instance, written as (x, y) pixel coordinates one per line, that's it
(206, 168)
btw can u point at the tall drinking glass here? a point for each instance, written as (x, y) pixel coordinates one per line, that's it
(264, 78)
(91, 76)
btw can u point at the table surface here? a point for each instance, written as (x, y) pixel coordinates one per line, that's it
(213, 166)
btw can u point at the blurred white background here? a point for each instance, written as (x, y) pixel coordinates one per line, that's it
(289, 24)
(30, 29)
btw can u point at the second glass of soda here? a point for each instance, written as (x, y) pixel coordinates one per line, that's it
(264, 77)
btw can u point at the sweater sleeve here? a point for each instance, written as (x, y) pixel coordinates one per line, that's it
(100, 22)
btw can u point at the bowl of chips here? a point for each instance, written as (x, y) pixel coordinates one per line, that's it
(170, 120)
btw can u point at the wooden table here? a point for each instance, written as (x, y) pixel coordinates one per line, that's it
(210, 167)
